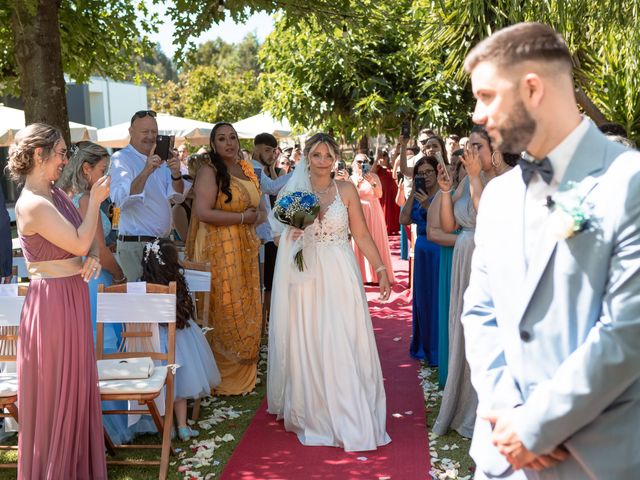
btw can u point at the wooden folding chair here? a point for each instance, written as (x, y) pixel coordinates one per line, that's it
(138, 313)
(19, 265)
(198, 276)
(10, 309)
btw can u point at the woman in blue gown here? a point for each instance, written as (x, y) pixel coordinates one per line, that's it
(424, 339)
(88, 163)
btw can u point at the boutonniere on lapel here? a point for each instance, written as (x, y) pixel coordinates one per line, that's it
(569, 214)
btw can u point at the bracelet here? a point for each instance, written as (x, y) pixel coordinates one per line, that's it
(120, 280)
(176, 179)
(381, 268)
(445, 191)
(241, 218)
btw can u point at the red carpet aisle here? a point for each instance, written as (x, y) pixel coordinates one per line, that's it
(267, 451)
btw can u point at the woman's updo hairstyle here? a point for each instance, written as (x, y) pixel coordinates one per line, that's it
(22, 152)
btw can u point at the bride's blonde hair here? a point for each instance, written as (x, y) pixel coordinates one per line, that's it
(319, 138)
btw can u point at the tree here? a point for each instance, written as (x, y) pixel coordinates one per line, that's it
(219, 81)
(359, 81)
(242, 57)
(604, 43)
(77, 37)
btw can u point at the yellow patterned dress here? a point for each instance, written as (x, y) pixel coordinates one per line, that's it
(235, 311)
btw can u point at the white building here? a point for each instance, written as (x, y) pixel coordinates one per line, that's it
(104, 102)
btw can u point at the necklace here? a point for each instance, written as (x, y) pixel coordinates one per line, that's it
(321, 192)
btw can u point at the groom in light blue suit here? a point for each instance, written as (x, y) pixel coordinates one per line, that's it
(552, 312)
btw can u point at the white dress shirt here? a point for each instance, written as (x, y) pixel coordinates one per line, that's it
(268, 186)
(536, 210)
(149, 212)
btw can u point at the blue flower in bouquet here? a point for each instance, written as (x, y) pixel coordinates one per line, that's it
(286, 202)
(308, 201)
(299, 210)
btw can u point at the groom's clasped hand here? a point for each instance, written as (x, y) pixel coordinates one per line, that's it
(506, 440)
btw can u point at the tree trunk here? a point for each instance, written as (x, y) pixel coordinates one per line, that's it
(363, 145)
(589, 107)
(36, 39)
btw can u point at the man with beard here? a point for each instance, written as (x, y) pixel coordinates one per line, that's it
(555, 360)
(272, 179)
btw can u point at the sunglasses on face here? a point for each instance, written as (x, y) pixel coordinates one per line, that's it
(423, 142)
(142, 114)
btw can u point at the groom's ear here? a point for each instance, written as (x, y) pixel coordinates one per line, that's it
(532, 88)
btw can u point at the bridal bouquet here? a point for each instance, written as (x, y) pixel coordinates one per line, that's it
(299, 210)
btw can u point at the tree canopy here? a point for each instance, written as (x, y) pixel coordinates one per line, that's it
(219, 81)
(407, 59)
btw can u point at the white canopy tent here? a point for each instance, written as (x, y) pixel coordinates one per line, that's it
(261, 123)
(184, 129)
(12, 121)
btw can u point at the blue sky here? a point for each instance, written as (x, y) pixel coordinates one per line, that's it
(261, 24)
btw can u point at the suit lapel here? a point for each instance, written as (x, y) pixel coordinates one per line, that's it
(588, 159)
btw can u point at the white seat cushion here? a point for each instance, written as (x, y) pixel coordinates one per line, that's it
(125, 368)
(8, 384)
(152, 384)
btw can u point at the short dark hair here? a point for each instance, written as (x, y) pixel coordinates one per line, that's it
(426, 131)
(454, 137)
(518, 43)
(429, 159)
(265, 139)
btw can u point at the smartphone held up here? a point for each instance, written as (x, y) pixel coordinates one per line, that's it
(441, 162)
(420, 185)
(164, 146)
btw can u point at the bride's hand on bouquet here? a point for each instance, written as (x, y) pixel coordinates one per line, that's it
(296, 233)
(385, 286)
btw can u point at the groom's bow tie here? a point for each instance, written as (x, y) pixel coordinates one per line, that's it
(529, 166)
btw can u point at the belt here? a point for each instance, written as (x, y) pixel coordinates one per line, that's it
(136, 238)
(67, 267)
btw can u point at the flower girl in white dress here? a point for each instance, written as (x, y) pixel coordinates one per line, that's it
(324, 377)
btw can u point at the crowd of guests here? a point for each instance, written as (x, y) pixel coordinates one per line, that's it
(216, 202)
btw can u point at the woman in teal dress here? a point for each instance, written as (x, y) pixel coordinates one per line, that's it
(446, 242)
(88, 163)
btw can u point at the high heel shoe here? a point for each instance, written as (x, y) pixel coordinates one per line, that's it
(186, 433)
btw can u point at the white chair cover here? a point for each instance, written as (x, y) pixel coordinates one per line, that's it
(137, 306)
(198, 281)
(10, 311)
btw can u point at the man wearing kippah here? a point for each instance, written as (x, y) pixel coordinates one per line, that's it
(552, 312)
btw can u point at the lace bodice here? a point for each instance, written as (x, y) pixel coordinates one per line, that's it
(333, 228)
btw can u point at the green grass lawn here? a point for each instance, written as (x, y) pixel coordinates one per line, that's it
(449, 453)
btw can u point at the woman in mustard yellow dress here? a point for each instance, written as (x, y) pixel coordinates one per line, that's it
(226, 211)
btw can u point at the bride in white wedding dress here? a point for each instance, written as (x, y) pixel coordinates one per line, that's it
(324, 377)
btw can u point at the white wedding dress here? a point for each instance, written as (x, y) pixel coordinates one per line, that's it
(324, 377)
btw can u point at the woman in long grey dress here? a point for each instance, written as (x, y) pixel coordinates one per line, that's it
(459, 402)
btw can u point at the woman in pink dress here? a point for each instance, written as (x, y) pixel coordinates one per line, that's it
(61, 433)
(370, 191)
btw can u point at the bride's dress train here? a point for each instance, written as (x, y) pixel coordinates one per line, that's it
(324, 376)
